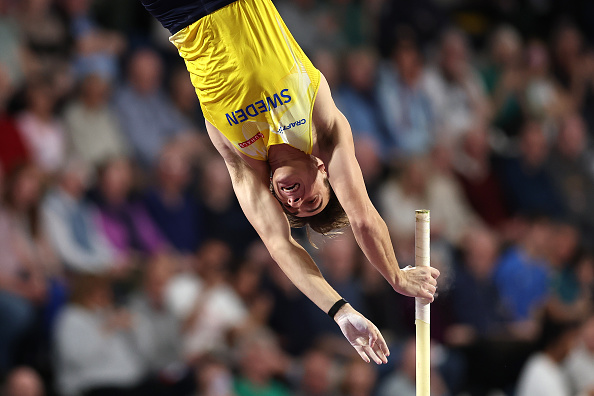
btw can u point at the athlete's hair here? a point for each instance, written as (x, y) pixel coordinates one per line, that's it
(328, 221)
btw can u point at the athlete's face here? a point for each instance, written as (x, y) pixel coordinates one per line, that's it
(302, 188)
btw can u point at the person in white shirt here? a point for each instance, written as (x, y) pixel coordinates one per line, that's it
(543, 373)
(580, 363)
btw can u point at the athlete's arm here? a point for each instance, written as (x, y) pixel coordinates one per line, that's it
(251, 185)
(338, 152)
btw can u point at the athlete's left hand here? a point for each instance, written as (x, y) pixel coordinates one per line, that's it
(363, 335)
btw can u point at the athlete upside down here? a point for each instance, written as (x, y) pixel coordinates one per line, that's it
(288, 149)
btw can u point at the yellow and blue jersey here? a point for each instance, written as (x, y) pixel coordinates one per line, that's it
(254, 82)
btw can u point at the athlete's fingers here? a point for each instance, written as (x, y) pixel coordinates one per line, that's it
(382, 344)
(362, 353)
(434, 272)
(426, 295)
(371, 353)
(432, 281)
(378, 351)
(431, 289)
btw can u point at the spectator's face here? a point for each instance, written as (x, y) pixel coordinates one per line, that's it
(408, 62)
(145, 72)
(75, 180)
(41, 100)
(116, 182)
(481, 253)
(27, 188)
(538, 58)
(183, 92)
(568, 44)
(24, 382)
(476, 143)
(326, 62)
(585, 272)
(588, 334)
(506, 48)
(77, 7)
(5, 86)
(259, 361)
(95, 91)
(454, 56)
(563, 244)
(361, 67)
(533, 145)
(572, 139)
(174, 170)
(317, 374)
(360, 379)
(213, 258)
(156, 278)
(339, 256)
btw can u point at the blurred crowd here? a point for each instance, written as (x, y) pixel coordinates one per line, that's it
(128, 268)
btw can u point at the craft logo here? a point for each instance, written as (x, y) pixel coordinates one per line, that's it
(283, 128)
(251, 141)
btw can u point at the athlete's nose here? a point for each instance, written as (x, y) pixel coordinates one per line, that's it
(294, 202)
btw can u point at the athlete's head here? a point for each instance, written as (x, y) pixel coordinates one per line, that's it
(306, 196)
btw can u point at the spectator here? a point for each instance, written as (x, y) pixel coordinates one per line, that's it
(92, 125)
(403, 100)
(543, 373)
(458, 97)
(13, 150)
(214, 378)
(523, 275)
(423, 185)
(223, 217)
(41, 131)
(157, 330)
(171, 205)
(572, 67)
(357, 99)
(95, 354)
(359, 379)
(44, 33)
(13, 53)
(544, 98)
(72, 223)
(303, 13)
(572, 287)
(96, 48)
(402, 381)
(477, 171)
(580, 363)
(19, 290)
(504, 79)
(205, 302)
(23, 381)
(572, 168)
(478, 308)
(24, 190)
(183, 96)
(318, 375)
(148, 119)
(527, 180)
(125, 221)
(260, 361)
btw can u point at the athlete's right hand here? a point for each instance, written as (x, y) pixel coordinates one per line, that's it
(418, 282)
(363, 335)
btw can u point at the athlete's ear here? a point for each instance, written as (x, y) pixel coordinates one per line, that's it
(321, 166)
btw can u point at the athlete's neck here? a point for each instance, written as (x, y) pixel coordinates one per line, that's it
(284, 154)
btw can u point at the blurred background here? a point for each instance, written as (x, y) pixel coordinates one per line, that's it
(128, 268)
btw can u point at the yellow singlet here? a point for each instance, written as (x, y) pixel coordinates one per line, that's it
(254, 82)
